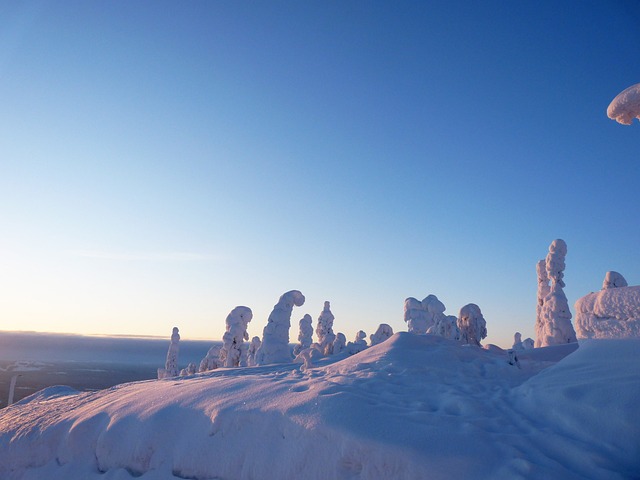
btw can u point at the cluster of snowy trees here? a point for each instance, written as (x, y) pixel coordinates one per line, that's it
(428, 317)
(613, 312)
(237, 351)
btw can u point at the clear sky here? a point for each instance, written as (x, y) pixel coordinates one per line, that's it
(163, 162)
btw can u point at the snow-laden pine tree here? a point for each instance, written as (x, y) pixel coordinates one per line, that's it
(305, 336)
(324, 330)
(253, 349)
(189, 370)
(519, 344)
(416, 316)
(555, 327)
(211, 361)
(234, 348)
(340, 343)
(359, 343)
(446, 326)
(472, 325)
(275, 336)
(171, 365)
(383, 333)
(543, 291)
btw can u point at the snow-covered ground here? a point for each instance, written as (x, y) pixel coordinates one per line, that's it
(420, 407)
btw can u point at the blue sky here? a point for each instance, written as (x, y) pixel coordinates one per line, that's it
(163, 162)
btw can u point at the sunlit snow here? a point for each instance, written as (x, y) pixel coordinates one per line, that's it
(411, 407)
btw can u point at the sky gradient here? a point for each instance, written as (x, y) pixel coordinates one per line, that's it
(163, 162)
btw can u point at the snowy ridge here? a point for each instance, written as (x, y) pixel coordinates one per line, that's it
(412, 407)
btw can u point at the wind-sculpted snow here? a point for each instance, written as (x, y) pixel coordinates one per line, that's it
(626, 106)
(609, 313)
(412, 407)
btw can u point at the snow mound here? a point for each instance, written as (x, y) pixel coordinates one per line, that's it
(626, 106)
(412, 407)
(609, 313)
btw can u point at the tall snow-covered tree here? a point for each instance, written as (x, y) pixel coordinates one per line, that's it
(555, 325)
(543, 291)
(275, 336)
(234, 347)
(472, 325)
(171, 364)
(305, 336)
(324, 330)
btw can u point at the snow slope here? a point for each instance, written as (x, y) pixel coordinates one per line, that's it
(420, 407)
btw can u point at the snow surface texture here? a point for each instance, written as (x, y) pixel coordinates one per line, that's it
(383, 333)
(324, 330)
(613, 312)
(275, 336)
(305, 337)
(171, 365)
(412, 407)
(234, 351)
(554, 327)
(626, 106)
(472, 325)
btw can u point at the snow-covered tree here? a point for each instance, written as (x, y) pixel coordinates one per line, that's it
(212, 360)
(324, 330)
(613, 280)
(190, 370)
(340, 343)
(555, 326)
(519, 344)
(446, 326)
(359, 344)
(275, 336)
(613, 312)
(253, 348)
(305, 337)
(472, 325)
(383, 333)
(171, 365)
(543, 291)
(234, 347)
(626, 106)
(421, 316)
(416, 316)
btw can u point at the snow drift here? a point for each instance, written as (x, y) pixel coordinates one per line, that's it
(412, 407)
